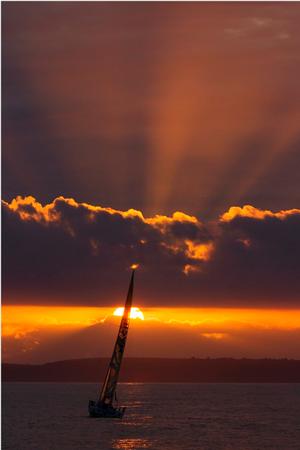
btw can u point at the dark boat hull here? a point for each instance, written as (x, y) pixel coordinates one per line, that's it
(105, 411)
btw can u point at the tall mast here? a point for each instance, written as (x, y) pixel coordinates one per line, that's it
(110, 383)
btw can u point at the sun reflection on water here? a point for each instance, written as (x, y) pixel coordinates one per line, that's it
(131, 444)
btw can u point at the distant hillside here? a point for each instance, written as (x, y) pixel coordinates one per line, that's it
(224, 370)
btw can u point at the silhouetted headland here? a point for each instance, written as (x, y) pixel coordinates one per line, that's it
(161, 370)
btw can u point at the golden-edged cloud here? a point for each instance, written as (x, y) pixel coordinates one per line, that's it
(28, 208)
(255, 213)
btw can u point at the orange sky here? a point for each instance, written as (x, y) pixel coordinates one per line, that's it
(40, 333)
(164, 134)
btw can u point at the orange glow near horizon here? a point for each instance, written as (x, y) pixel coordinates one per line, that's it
(31, 333)
(17, 319)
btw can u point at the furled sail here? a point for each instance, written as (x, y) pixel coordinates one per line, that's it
(108, 392)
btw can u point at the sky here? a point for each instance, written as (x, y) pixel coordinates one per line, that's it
(165, 134)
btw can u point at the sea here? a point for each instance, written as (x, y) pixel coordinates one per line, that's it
(206, 416)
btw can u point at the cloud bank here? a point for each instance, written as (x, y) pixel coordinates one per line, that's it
(67, 252)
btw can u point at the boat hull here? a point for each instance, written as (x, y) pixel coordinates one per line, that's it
(105, 411)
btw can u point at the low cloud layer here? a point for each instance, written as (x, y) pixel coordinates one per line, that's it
(76, 253)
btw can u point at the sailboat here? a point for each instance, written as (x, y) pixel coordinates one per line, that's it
(104, 406)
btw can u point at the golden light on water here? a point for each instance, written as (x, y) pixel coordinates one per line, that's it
(135, 313)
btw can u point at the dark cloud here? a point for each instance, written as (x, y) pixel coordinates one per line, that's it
(257, 260)
(75, 253)
(78, 252)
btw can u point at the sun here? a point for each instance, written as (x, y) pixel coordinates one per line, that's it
(135, 313)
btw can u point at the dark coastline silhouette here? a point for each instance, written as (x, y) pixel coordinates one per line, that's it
(156, 370)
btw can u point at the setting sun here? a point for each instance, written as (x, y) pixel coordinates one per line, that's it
(135, 313)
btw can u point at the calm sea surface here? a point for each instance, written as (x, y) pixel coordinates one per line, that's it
(50, 416)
